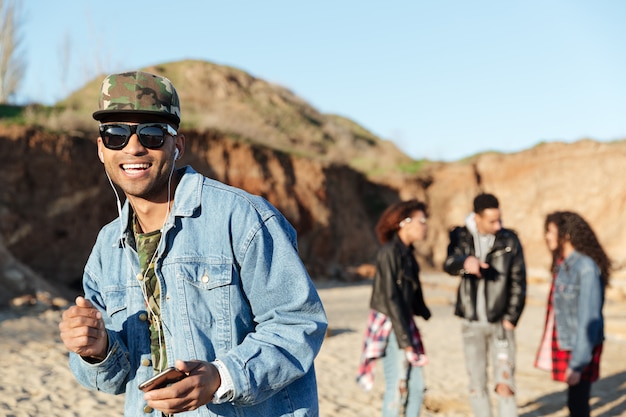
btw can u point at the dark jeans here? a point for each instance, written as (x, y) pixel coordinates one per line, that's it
(578, 399)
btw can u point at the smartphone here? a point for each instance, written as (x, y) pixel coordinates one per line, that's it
(168, 376)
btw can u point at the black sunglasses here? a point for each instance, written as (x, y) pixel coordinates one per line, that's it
(151, 135)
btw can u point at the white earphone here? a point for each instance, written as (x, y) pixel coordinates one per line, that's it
(176, 154)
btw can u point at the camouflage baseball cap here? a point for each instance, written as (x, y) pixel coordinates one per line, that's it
(138, 93)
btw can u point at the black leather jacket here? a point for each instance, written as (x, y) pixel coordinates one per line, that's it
(505, 279)
(397, 290)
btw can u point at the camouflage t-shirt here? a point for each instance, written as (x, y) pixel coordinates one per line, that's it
(147, 244)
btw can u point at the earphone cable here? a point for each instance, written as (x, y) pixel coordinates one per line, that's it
(159, 324)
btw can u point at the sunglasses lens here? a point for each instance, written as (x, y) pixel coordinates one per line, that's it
(114, 136)
(152, 136)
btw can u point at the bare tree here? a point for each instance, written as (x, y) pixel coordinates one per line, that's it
(12, 63)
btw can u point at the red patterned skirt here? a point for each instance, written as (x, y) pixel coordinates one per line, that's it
(561, 358)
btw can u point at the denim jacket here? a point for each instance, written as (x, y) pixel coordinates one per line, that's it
(578, 301)
(233, 288)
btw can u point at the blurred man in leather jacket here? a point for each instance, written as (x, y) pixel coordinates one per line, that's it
(490, 299)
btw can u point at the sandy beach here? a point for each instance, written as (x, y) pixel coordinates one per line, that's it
(35, 379)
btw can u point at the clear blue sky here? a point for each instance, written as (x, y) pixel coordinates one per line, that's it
(442, 79)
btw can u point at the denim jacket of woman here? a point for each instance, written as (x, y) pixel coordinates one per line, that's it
(578, 301)
(233, 289)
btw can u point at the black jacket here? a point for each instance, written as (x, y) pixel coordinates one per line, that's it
(505, 279)
(397, 291)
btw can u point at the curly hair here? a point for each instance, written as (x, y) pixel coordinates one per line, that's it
(572, 226)
(389, 222)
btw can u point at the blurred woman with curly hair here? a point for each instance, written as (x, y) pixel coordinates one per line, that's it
(574, 332)
(396, 298)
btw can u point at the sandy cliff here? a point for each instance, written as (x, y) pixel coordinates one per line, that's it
(55, 198)
(328, 175)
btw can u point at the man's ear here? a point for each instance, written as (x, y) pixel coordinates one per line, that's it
(100, 153)
(180, 145)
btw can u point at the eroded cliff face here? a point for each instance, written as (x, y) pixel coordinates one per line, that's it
(54, 197)
(52, 194)
(332, 207)
(584, 177)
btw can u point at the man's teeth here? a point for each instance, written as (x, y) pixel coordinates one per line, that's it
(135, 166)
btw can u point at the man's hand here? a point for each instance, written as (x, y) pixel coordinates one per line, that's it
(508, 325)
(572, 377)
(83, 332)
(189, 393)
(472, 266)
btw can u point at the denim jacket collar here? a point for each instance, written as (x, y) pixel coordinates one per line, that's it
(571, 260)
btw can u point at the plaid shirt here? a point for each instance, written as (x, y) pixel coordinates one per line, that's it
(376, 337)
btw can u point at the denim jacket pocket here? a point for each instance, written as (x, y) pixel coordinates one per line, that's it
(114, 300)
(207, 276)
(568, 292)
(206, 288)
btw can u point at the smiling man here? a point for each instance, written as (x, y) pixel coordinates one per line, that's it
(193, 274)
